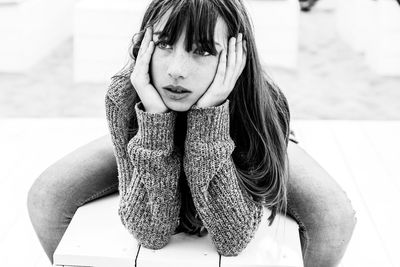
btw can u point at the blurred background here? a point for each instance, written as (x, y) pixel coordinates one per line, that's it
(338, 60)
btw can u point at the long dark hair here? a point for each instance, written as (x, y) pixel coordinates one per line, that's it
(259, 124)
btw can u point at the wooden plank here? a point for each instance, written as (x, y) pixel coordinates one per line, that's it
(182, 250)
(275, 245)
(28, 147)
(96, 237)
(384, 137)
(376, 189)
(278, 245)
(8, 206)
(42, 261)
(20, 247)
(318, 139)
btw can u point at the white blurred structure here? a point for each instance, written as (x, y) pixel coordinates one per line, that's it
(31, 29)
(383, 51)
(373, 28)
(276, 26)
(103, 30)
(353, 19)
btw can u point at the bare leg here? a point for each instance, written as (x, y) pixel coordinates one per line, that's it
(83, 175)
(321, 208)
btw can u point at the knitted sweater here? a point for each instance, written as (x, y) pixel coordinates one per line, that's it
(149, 168)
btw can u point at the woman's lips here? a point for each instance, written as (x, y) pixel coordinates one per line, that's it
(176, 88)
(175, 95)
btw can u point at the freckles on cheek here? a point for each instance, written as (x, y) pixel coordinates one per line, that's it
(213, 66)
(157, 61)
(207, 73)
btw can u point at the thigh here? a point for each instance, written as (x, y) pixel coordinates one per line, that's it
(82, 174)
(85, 174)
(310, 187)
(321, 208)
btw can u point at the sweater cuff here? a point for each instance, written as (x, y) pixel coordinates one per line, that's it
(208, 124)
(155, 130)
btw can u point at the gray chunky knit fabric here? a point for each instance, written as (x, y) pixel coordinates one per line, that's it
(149, 169)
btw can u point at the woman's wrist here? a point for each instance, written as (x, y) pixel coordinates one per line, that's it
(152, 110)
(156, 111)
(208, 124)
(156, 130)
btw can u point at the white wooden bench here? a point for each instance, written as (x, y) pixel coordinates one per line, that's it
(96, 237)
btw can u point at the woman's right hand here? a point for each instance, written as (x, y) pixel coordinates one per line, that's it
(140, 77)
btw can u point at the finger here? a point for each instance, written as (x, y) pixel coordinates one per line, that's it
(244, 56)
(142, 65)
(146, 57)
(231, 60)
(145, 42)
(220, 75)
(239, 54)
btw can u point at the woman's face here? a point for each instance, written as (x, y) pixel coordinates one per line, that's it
(193, 70)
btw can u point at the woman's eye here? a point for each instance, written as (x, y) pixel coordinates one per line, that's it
(201, 52)
(163, 45)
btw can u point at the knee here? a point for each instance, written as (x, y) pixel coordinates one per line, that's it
(328, 237)
(45, 197)
(37, 198)
(340, 222)
(46, 211)
(347, 219)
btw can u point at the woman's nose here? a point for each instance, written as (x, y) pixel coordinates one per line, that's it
(178, 67)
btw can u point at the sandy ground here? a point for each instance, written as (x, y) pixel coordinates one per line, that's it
(331, 82)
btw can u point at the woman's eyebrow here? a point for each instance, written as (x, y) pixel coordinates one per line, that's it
(159, 32)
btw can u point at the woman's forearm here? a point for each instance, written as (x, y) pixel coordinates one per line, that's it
(148, 170)
(227, 212)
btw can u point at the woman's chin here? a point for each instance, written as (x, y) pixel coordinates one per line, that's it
(178, 106)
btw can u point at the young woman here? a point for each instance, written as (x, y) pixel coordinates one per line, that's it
(199, 142)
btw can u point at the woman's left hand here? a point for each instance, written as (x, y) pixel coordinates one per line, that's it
(228, 71)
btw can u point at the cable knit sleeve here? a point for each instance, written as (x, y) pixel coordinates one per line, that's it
(148, 173)
(227, 212)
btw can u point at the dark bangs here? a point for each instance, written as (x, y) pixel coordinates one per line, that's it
(197, 17)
